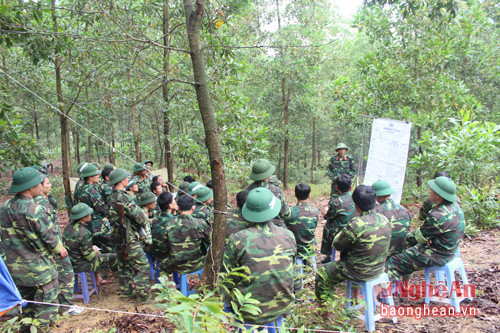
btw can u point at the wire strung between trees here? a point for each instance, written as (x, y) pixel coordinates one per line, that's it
(101, 139)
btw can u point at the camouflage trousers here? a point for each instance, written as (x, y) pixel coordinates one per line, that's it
(66, 279)
(414, 259)
(100, 229)
(330, 276)
(333, 191)
(328, 236)
(135, 268)
(101, 262)
(45, 314)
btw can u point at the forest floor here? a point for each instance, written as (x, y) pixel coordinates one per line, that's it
(481, 256)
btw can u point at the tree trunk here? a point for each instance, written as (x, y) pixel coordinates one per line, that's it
(77, 147)
(313, 150)
(284, 100)
(97, 152)
(419, 170)
(212, 138)
(89, 140)
(112, 149)
(62, 119)
(37, 132)
(169, 159)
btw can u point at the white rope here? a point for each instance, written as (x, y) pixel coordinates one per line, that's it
(162, 316)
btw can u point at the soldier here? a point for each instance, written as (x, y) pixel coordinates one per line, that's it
(133, 190)
(340, 164)
(303, 222)
(167, 204)
(340, 211)
(80, 181)
(262, 171)
(141, 178)
(188, 240)
(436, 241)
(104, 187)
(269, 253)
(202, 205)
(88, 194)
(364, 244)
(133, 266)
(183, 187)
(147, 202)
(156, 188)
(77, 239)
(29, 245)
(398, 216)
(236, 222)
(65, 276)
(428, 204)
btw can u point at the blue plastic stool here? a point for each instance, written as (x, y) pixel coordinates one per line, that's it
(446, 274)
(333, 254)
(152, 268)
(182, 283)
(85, 287)
(271, 327)
(367, 290)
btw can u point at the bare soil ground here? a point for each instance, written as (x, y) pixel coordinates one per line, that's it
(481, 256)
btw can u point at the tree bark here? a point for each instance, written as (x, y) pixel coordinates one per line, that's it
(62, 119)
(284, 100)
(169, 159)
(419, 170)
(77, 147)
(194, 14)
(89, 140)
(313, 151)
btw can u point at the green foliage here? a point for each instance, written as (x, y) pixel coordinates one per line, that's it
(481, 207)
(10, 326)
(16, 148)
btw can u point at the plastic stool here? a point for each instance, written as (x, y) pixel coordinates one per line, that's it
(85, 287)
(367, 289)
(152, 268)
(182, 283)
(271, 327)
(333, 254)
(446, 274)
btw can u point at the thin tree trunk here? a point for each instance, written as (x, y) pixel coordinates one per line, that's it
(36, 122)
(169, 159)
(111, 149)
(284, 100)
(212, 138)
(313, 151)
(419, 170)
(77, 147)
(62, 119)
(97, 152)
(89, 140)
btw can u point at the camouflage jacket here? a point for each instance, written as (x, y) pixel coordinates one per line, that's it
(45, 201)
(78, 241)
(302, 223)
(235, 222)
(134, 216)
(202, 211)
(188, 241)
(339, 166)
(144, 184)
(78, 184)
(400, 222)
(444, 227)
(269, 252)
(88, 194)
(341, 210)
(364, 243)
(29, 242)
(105, 190)
(278, 193)
(159, 248)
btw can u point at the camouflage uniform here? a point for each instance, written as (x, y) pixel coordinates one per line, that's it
(78, 241)
(29, 245)
(337, 167)
(105, 190)
(400, 222)
(269, 252)
(364, 244)
(235, 223)
(202, 211)
(302, 223)
(444, 227)
(159, 248)
(135, 267)
(278, 193)
(65, 272)
(188, 241)
(341, 210)
(99, 228)
(144, 184)
(78, 184)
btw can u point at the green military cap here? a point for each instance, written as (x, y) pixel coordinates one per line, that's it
(80, 166)
(117, 175)
(261, 206)
(261, 169)
(89, 170)
(147, 198)
(184, 186)
(193, 188)
(130, 184)
(444, 187)
(341, 146)
(148, 161)
(25, 178)
(382, 188)
(204, 193)
(39, 168)
(97, 165)
(80, 210)
(109, 166)
(274, 180)
(139, 167)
